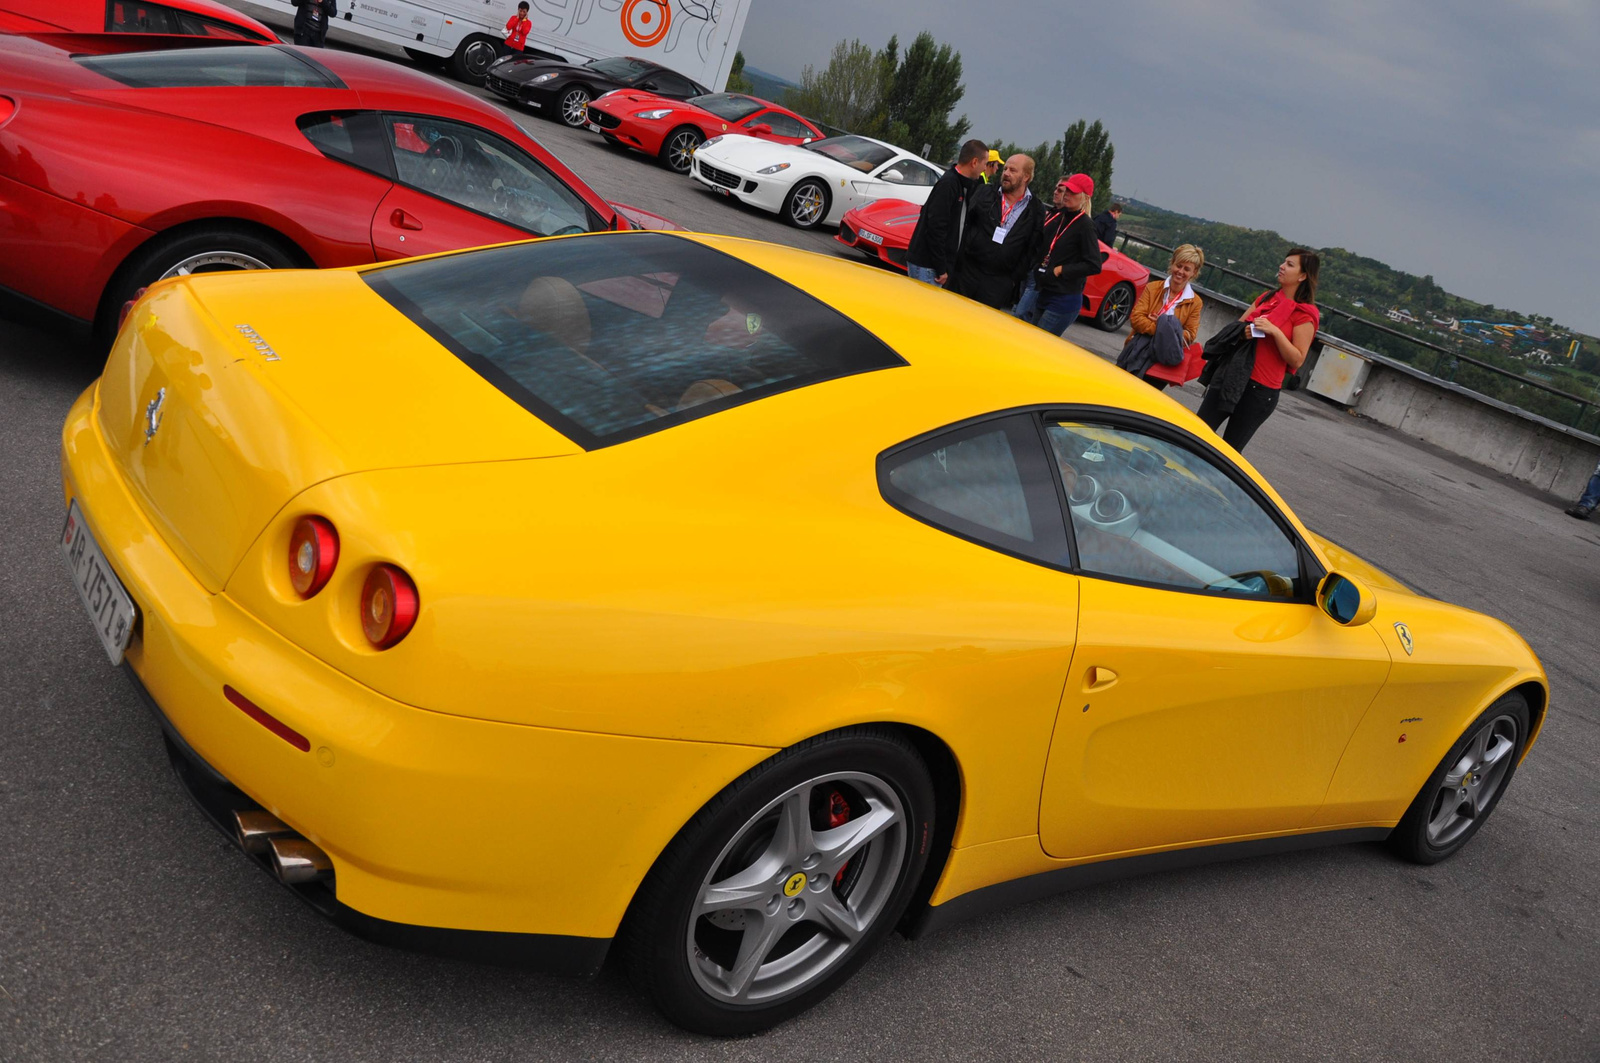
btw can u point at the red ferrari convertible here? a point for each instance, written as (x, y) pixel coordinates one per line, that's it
(882, 230)
(123, 168)
(190, 18)
(671, 129)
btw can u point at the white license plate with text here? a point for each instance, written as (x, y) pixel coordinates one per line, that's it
(108, 604)
(872, 237)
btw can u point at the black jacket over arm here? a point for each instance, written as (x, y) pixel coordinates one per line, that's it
(989, 272)
(1076, 251)
(934, 243)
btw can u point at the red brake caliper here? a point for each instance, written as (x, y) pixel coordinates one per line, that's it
(838, 815)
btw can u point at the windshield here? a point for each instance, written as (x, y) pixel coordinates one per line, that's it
(619, 69)
(728, 106)
(612, 337)
(856, 152)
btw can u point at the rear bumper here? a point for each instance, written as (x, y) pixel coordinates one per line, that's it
(445, 832)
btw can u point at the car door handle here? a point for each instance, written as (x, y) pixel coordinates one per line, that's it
(1098, 677)
(401, 220)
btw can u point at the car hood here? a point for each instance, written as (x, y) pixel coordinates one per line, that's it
(621, 99)
(522, 71)
(753, 153)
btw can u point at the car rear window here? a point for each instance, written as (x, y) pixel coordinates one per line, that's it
(727, 105)
(612, 337)
(248, 66)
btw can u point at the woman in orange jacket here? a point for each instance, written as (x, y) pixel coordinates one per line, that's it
(1173, 299)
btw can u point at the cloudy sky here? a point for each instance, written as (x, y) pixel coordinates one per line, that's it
(1460, 139)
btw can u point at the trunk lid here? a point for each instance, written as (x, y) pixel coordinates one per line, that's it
(226, 395)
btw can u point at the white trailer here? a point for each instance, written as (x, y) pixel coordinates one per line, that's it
(697, 38)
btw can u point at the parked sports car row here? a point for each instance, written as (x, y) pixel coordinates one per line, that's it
(768, 157)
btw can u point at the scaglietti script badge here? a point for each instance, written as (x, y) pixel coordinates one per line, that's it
(152, 415)
(263, 348)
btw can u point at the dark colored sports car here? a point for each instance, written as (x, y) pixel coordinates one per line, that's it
(563, 90)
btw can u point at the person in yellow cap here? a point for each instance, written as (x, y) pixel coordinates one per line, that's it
(991, 169)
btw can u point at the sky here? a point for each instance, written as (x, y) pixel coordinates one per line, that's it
(1459, 139)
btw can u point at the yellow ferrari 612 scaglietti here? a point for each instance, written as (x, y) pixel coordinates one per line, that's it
(733, 606)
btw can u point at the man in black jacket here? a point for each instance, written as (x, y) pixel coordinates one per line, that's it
(938, 234)
(1002, 238)
(311, 21)
(1105, 224)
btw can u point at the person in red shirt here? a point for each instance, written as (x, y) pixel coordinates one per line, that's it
(517, 27)
(1284, 324)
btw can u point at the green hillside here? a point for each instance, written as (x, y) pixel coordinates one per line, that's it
(1530, 346)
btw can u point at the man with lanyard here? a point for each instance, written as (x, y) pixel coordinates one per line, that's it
(517, 27)
(937, 237)
(1002, 238)
(1027, 307)
(311, 20)
(1071, 256)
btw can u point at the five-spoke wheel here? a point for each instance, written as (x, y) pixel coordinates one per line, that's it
(1467, 784)
(784, 883)
(807, 205)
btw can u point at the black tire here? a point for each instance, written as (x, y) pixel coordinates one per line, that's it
(677, 148)
(694, 988)
(572, 106)
(801, 208)
(1115, 307)
(473, 58)
(204, 248)
(1466, 781)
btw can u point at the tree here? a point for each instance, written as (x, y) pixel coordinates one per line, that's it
(1087, 149)
(850, 92)
(925, 88)
(737, 82)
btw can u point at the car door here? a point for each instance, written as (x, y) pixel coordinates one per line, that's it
(1209, 698)
(903, 178)
(461, 186)
(782, 128)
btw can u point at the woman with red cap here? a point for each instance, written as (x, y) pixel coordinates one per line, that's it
(1072, 256)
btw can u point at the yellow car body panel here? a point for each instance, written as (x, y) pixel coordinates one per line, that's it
(626, 630)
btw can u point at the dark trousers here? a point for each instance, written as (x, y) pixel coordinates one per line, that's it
(1255, 406)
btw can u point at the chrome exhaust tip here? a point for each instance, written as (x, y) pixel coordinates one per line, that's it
(295, 861)
(253, 830)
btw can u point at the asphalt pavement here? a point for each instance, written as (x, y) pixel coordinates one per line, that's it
(130, 930)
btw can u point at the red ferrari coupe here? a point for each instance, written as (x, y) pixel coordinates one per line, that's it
(123, 168)
(189, 18)
(882, 230)
(671, 129)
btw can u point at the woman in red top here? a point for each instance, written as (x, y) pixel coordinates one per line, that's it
(517, 27)
(1285, 324)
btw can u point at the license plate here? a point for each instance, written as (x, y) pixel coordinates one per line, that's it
(872, 238)
(721, 190)
(108, 604)
(594, 127)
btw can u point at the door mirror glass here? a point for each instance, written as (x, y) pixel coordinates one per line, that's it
(1346, 600)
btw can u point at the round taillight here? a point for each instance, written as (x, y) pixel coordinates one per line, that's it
(313, 553)
(388, 606)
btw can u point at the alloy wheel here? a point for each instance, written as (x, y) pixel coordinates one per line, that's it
(1115, 307)
(680, 150)
(1468, 789)
(213, 262)
(797, 887)
(575, 107)
(807, 206)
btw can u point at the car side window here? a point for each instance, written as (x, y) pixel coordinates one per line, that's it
(1149, 510)
(987, 482)
(129, 17)
(912, 173)
(782, 125)
(482, 172)
(353, 137)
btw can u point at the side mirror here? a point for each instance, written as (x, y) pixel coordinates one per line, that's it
(894, 177)
(1346, 599)
(761, 129)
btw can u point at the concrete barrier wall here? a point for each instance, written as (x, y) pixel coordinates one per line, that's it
(1525, 446)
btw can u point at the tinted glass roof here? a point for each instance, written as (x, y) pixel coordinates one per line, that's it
(233, 66)
(612, 337)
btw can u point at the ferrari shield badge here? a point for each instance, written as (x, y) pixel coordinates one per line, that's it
(152, 415)
(1405, 637)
